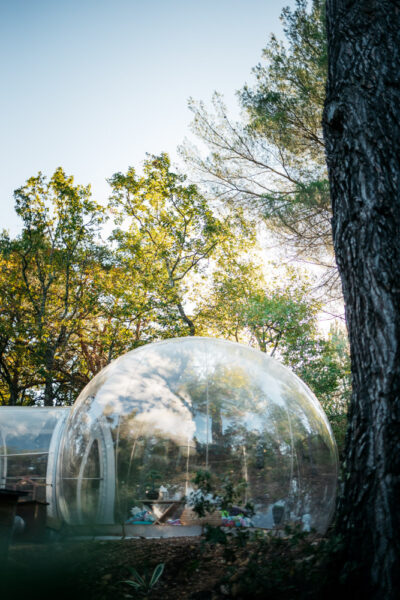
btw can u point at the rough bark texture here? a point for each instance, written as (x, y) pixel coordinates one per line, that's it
(362, 132)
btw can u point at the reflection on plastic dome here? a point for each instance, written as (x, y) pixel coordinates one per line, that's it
(152, 419)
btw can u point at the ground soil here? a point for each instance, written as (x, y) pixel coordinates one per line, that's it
(194, 569)
(94, 570)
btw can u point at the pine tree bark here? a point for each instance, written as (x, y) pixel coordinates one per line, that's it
(362, 133)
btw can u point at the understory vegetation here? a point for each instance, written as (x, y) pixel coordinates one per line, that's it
(289, 566)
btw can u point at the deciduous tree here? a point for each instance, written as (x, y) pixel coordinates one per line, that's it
(56, 257)
(18, 375)
(170, 234)
(273, 159)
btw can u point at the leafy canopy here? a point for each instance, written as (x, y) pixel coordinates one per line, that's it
(273, 160)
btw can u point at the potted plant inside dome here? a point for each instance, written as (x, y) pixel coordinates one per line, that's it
(152, 492)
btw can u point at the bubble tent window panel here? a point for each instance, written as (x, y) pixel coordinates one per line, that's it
(29, 440)
(166, 410)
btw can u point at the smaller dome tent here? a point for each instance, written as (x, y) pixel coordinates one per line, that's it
(154, 418)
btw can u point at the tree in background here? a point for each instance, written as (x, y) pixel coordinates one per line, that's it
(69, 306)
(176, 265)
(323, 363)
(273, 160)
(18, 373)
(279, 317)
(169, 236)
(53, 263)
(124, 320)
(242, 305)
(362, 132)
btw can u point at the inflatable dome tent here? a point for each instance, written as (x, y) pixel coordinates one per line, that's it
(131, 446)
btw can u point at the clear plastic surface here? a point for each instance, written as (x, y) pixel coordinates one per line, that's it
(26, 436)
(147, 423)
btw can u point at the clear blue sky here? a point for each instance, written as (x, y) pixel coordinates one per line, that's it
(91, 85)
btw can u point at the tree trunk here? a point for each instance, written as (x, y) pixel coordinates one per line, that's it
(186, 319)
(362, 133)
(14, 395)
(48, 394)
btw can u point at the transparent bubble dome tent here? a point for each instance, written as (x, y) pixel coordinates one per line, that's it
(148, 422)
(140, 431)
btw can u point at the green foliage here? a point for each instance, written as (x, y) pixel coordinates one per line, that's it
(273, 160)
(289, 564)
(151, 477)
(69, 306)
(280, 318)
(51, 268)
(240, 304)
(324, 364)
(17, 365)
(144, 584)
(285, 105)
(176, 265)
(278, 567)
(231, 494)
(203, 481)
(203, 501)
(217, 493)
(72, 304)
(170, 234)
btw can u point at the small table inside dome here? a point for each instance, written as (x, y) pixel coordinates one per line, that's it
(172, 505)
